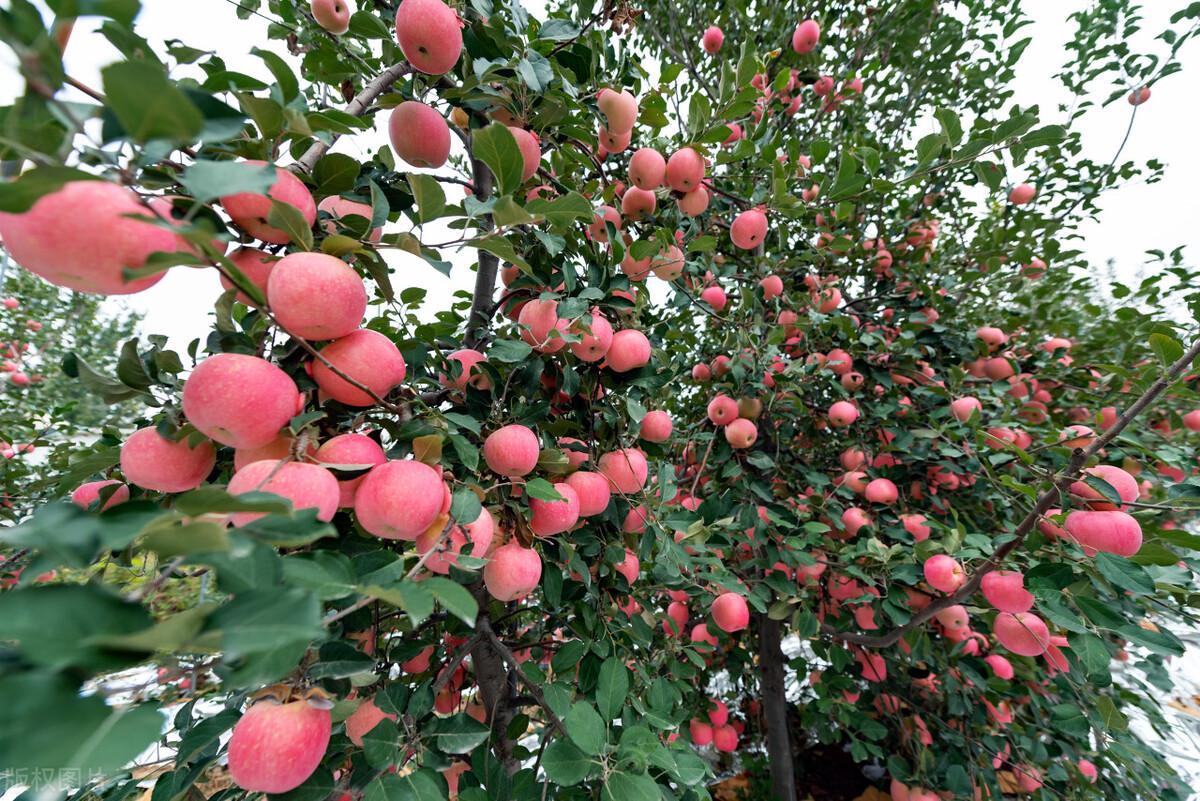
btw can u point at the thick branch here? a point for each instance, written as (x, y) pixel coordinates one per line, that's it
(480, 317)
(1047, 499)
(361, 102)
(775, 708)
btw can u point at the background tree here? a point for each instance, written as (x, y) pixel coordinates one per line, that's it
(49, 417)
(771, 362)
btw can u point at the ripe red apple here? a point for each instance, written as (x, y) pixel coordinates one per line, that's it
(307, 486)
(882, 490)
(151, 462)
(364, 718)
(593, 491)
(1005, 590)
(944, 573)
(700, 732)
(249, 210)
(256, 265)
(367, 356)
(316, 296)
(430, 35)
(512, 450)
(419, 134)
(1136, 98)
(596, 339)
(332, 15)
(722, 410)
(806, 36)
(626, 470)
(555, 517)
(741, 433)
(513, 572)
(1125, 485)
(656, 426)
(1024, 634)
(399, 500)
(842, 414)
(714, 296)
(694, 203)
(538, 318)
(87, 494)
(647, 169)
(478, 532)
(531, 151)
(240, 400)
(1021, 194)
(1000, 666)
(620, 108)
(712, 39)
(630, 350)
(685, 170)
(468, 358)
(730, 612)
(963, 408)
(79, 237)
(725, 739)
(1111, 532)
(275, 747)
(350, 449)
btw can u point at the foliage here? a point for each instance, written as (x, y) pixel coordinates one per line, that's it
(47, 416)
(893, 239)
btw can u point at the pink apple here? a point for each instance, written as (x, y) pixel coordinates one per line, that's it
(430, 35)
(399, 500)
(316, 296)
(512, 450)
(240, 400)
(366, 356)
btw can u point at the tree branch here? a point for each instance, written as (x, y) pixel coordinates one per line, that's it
(377, 86)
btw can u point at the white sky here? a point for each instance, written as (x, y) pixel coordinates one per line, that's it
(1135, 218)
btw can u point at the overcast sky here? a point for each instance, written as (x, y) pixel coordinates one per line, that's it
(1135, 218)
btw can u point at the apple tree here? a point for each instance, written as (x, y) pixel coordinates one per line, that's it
(784, 415)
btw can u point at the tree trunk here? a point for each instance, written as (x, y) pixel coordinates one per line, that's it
(775, 707)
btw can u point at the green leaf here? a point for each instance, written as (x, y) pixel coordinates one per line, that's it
(175, 633)
(148, 104)
(48, 725)
(19, 195)
(1124, 574)
(123, 11)
(585, 727)
(288, 219)
(1166, 348)
(431, 200)
(268, 618)
(1046, 135)
(612, 687)
(207, 180)
(561, 212)
(62, 625)
(622, 786)
(285, 79)
(558, 30)
(420, 785)
(457, 734)
(496, 147)
(565, 764)
(509, 351)
(506, 211)
(1090, 652)
(455, 597)
(336, 173)
(542, 489)
(199, 536)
